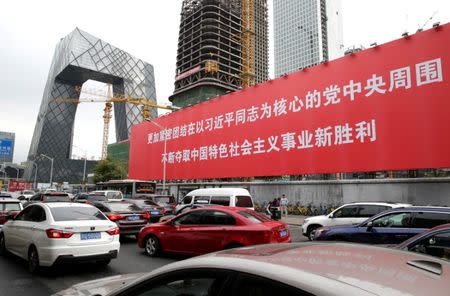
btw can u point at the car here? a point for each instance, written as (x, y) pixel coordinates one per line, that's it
(129, 217)
(205, 230)
(184, 209)
(231, 197)
(51, 196)
(88, 198)
(155, 211)
(352, 213)
(389, 227)
(25, 195)
(50, 233)
(9, 207)
(298, 269)
(168, 202)
(434, 242)
(111, 195)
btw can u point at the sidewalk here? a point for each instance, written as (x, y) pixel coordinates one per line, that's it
(293, 219)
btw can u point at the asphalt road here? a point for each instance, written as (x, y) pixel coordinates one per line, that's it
(15, 279)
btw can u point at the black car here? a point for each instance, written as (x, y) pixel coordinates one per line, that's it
(434, 242)
(389, 227)
(129, 217)
(88, 198)
(49, 197)
(155, 210)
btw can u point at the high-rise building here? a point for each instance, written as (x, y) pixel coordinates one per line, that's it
(209, 59)
(79, 57)
(307, 32)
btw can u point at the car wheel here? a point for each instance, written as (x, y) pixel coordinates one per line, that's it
(2, 245)
(311, 230)
(152, 246)
(233, 246)
(33, 260)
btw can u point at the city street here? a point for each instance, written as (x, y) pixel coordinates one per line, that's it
(16, 280)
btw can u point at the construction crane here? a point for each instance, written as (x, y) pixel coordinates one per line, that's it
(145, 103)
(248, 43)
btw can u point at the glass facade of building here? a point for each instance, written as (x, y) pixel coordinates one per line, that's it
(307, 32)
(79, 57)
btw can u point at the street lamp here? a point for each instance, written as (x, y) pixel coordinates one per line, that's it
(165, 148)
(85, 157)
(51, 169)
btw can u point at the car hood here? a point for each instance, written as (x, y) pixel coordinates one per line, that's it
(100, 287)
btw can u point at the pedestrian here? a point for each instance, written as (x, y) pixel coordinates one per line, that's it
(284, 205)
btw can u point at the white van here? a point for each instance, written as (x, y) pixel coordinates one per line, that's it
(231, 197)
(111, 195)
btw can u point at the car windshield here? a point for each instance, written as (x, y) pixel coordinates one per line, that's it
(123, 207)
(254, 216)
(10, 206)
(55, 197)
(76, 213)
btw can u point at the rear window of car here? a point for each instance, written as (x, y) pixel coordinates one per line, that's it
(244, 201)
(123, 207)
(96, 198)
(430, 219)
(114, 195)
(76, 213)
(10, 206)
(254, 217)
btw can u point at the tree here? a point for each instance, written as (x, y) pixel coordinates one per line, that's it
(108, 169)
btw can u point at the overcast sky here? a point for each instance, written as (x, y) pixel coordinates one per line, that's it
(147, 29)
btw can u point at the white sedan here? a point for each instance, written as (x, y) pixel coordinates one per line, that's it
(49, 233)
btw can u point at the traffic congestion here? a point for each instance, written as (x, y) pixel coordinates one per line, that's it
(50, 229)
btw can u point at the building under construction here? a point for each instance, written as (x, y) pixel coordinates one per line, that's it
(210, 48)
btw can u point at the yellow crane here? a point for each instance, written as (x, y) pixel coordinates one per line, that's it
(248, 43)
(145, 103)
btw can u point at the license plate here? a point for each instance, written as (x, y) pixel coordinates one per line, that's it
(90, 235)
(154, 212)
(133, 218)
(283, 233)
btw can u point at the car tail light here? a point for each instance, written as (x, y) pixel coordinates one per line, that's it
(115, 217)
(146, 215)
(54, 233)
(115, 231)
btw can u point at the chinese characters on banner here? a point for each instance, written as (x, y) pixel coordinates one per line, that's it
(381, 109)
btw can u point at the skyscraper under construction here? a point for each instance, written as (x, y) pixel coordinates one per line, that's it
(209, 58)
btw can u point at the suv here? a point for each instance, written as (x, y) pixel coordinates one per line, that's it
(389, 227)
(353, 213)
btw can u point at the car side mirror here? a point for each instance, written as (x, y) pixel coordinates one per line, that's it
(369, 226)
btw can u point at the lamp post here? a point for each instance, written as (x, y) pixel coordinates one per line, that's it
(165, 148)
(51, 169)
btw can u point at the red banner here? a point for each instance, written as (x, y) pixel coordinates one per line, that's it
(18, 185)
(385, 108)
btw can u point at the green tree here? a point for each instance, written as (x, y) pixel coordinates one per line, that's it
(108, 169)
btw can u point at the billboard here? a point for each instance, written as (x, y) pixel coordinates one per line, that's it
(385, 108)
(15, 185)
(6, 148)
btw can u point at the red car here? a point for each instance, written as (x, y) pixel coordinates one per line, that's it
(8, 207)
(211, 229)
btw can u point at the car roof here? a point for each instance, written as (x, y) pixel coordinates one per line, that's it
(328, 268)
(217, 191)
(380, 203)
(421, 209)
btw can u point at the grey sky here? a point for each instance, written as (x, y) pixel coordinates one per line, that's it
(147, 29)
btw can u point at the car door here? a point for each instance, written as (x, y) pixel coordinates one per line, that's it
(24, 230)
(391, 228)
(214, 228)
(344, 215)
(180, 236)
(14, 229)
